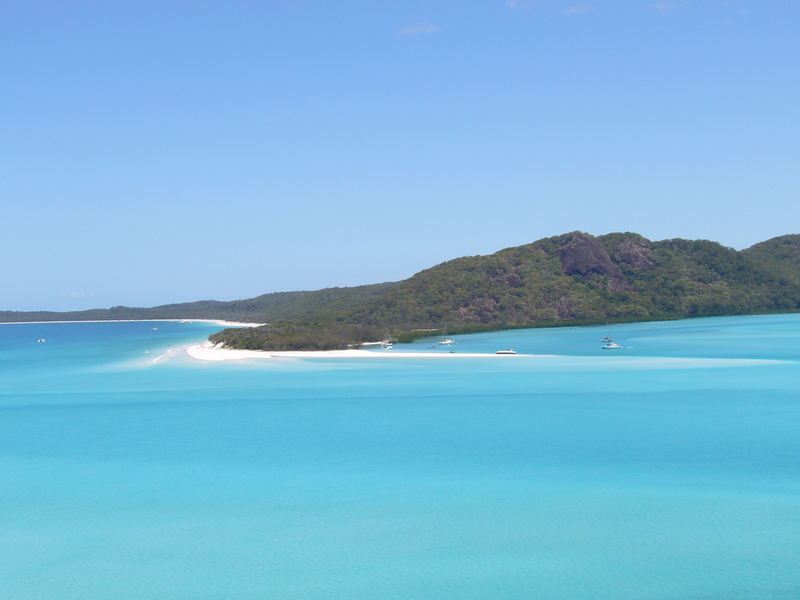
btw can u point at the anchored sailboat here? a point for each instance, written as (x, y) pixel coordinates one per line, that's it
(446, 341)
(388, 343)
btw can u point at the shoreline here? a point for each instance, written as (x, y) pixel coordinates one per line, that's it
(600, 322)
(213, 353)
(209, 352)
(222, 322)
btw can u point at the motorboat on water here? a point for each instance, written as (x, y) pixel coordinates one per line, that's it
(612, 345)
(41, 340)
(509, 351)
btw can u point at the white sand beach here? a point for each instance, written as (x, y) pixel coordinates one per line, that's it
(217, 352)
(223, 322)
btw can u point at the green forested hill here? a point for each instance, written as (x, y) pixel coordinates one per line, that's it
(580, 277)
(780, 256)
(569, 278)
(574, 277)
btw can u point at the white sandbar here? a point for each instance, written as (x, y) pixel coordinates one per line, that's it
(217, 352)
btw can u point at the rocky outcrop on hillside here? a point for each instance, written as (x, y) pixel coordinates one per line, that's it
(583, 254)
(634, 252)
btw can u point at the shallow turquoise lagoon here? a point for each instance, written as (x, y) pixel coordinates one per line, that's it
(667, 470)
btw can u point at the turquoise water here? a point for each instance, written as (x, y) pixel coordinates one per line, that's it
(668, 470)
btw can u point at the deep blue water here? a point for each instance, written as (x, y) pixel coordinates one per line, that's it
(668, 470)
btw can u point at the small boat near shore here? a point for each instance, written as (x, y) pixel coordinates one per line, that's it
(610, 344)
(509, 351)
(388, 342)
(445, 341)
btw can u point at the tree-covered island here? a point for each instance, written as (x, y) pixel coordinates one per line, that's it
(570, 279)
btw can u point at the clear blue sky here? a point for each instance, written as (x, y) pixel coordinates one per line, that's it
(156, 152)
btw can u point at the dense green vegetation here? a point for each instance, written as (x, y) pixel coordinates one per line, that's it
(298, 336)
(567, 279)
(577, 278)
(780, 255)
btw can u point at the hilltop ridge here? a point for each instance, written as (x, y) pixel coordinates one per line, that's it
(260, 309)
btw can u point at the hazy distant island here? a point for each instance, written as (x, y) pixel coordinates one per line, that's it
(570, 279)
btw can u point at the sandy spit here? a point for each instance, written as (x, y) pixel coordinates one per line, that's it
(216, 352)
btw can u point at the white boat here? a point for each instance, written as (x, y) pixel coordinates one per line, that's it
(154, 329)
(509, 351)
(612, 346)
(609, 343)
(41, 340)
(445, 341)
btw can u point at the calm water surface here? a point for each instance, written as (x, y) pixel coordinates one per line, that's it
(667, 470)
